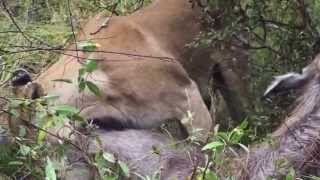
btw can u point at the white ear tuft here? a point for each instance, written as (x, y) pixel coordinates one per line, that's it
(285, 82)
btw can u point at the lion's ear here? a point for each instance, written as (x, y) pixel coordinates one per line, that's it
(20, 77)
(287, 82)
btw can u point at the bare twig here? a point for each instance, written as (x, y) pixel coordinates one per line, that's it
(205, 170)
(269, 22)
(72, 29)
(4, 6)
(103, 25)
(5, 32)
(32, 49)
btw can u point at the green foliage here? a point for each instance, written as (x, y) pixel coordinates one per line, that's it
(88, 46)
(103, 161)
(223, 139)
(221, 146)
(50, 170)
(122, 7)
(291, 175)
(280, 37)
(84, 72)
(208, 175)
(31, 158)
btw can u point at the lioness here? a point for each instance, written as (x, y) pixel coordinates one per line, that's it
(141, 81)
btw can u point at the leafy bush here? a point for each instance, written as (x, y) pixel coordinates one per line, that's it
(280, 36)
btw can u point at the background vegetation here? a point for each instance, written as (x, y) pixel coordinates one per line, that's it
(280, 36)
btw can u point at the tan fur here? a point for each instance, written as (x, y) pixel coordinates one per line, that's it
(141, 89)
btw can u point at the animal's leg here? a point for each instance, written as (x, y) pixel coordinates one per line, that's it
(197, 119)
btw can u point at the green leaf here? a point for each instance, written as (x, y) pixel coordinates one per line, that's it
(98, 140)
(213, 145)
(244, 125)
(291, 175)
(60, 120)
(100, 162)
(65, 109)
(22, 131)
(81, 85)
(208, 175)
(235, 136)
(50, 171)
(79, 118)
(26, 102)
(42, 137)
(50, 97)
(223, 135)
(25, 150)
(14, 113)
(14, 163)
(82, 72)
(93, 88)
(125, 169)
(16, 103)
(88, 46)
(109, 157)
(91, 65)
(42, 134)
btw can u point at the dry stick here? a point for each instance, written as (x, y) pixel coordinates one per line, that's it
(194, 171)
(103, 25)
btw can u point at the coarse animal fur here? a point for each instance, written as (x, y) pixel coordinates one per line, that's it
(147, 153)
(296, 142)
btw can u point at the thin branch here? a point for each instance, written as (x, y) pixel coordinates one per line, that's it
(32, 49)
(103, 25)
(72, 29)
(14, 21)
(5, 32)
(281, 24)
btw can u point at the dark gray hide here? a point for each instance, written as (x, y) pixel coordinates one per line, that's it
(137, 148)
(296, 142)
